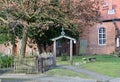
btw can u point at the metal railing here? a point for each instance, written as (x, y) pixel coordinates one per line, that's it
(25, 65)
(30, 65)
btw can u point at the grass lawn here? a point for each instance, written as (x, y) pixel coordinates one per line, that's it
(65, 72)
(105, 64)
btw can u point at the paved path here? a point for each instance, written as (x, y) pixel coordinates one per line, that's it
(41, 78)
(44, 78)
(64, 79)
(94, 75)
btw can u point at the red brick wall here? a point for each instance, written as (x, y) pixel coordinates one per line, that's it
(5, 49)
(114, 5)
(91, 35)
(9, 49)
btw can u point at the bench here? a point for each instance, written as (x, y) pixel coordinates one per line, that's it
(92, 59)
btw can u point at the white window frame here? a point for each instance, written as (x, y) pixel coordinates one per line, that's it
(111, 11)
(117, 42)
(103, 33)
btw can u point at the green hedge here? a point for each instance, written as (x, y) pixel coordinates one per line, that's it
(6, 61)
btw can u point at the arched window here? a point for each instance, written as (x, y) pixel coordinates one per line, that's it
(101, 36)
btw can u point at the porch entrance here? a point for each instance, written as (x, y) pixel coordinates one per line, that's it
(71, 41)
(62, 46)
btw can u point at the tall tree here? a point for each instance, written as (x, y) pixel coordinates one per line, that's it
(38, 17)
(38, 14)
(82, 13)
(53, 20)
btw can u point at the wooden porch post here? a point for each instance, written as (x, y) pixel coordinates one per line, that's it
(71, 52)
(54, 50)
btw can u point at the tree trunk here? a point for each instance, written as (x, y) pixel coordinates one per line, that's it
(23, 44)
(41, 48)
(14, 46)
(14, 50)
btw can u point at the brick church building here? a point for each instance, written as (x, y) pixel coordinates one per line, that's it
(103, 38)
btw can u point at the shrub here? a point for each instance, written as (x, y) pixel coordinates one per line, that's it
(64, 57)
(6, 61)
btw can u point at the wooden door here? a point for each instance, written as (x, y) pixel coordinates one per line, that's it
(83, 47)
